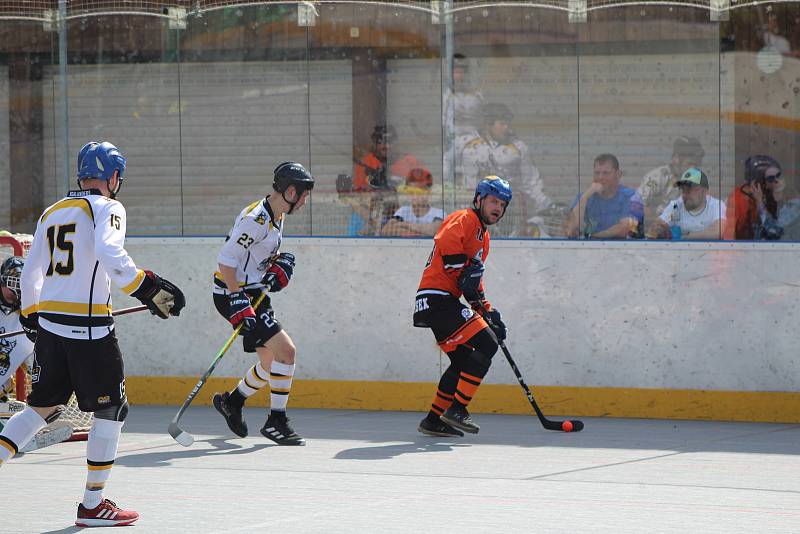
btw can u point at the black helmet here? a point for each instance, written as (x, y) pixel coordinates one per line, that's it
(688, 147)
(292, 173)
(756, 166)
(495, 111)
(10, 274)
(383, 134)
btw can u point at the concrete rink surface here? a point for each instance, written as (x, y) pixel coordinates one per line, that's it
(372, 472)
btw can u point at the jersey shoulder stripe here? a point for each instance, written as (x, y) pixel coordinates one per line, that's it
(80, 203)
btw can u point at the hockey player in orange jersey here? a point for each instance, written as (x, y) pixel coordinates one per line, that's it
(455, 268)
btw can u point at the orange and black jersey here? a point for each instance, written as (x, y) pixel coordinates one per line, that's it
(461, 237)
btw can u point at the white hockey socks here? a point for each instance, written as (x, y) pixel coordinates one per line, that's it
(255, 379)
(18, 432)
(101, 451)
(280, 383)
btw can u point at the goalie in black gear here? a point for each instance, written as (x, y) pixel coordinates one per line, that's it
(250, 258)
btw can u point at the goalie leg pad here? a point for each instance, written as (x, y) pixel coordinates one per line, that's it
(18, 432)
(55, 414)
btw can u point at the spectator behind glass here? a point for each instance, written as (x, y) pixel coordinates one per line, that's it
(658, 186)
(607, 209)
(771, 34)
(497, 151)
(465, 114)
(753, 206)
(698, 213)
(372, 194)
(417, 218)
(467, 102)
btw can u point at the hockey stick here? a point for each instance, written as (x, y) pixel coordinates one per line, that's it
(115, 313)
(181, 436)
(565, 426)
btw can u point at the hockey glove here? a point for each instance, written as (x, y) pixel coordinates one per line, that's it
(30, 325)
(161, 296)
(241, 312)
(495, 322)
(279, 272)
(470, 281)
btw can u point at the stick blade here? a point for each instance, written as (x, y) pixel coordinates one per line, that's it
(181, 436)
(577, 426)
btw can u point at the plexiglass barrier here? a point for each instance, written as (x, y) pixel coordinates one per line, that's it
(647, 120)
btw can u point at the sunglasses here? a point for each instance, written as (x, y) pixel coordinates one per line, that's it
(772, 177)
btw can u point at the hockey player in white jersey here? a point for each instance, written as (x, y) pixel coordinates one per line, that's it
(77, 252)
(498, 151)
(13, 350)
(250, 257)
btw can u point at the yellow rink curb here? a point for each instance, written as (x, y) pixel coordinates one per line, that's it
(756, 406)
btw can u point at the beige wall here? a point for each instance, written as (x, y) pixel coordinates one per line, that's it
(632, 314)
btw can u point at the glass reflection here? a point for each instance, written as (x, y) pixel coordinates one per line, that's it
(372, 96)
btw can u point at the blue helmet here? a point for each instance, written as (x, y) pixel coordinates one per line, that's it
(495, 186)
(100, 160)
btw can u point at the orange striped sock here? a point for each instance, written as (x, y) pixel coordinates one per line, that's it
(466, 388)
(441, 402)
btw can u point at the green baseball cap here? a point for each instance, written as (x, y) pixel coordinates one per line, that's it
(693, 176)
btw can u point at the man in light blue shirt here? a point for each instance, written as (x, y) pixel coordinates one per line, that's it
(607, 209)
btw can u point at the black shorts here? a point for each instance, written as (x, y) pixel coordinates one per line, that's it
(452, 322)
(267, 326)
(93, 369)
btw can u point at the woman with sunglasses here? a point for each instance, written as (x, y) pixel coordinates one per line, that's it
(753, 206)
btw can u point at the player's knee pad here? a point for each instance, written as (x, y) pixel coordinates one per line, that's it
(477, 364)
(113, 413)
(484, 342)
(458, 354)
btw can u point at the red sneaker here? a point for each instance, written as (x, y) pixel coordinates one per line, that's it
(106, 514)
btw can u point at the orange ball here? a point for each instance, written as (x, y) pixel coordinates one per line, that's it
(566, 426)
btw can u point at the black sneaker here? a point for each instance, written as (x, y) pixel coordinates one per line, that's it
(231, 413)
(278, 430)
(438, 428)
(458, 417)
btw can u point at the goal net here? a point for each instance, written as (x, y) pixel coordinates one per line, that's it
(80, 422)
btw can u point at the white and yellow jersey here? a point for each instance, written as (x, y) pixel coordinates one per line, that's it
(13, 350)
(252, 242)
(77, 250)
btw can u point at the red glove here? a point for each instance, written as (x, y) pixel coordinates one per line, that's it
(241, 312)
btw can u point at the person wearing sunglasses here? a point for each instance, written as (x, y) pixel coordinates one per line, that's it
(753, 207)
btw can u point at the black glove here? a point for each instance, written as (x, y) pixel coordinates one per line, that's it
(495, 322)
(161, 296)
(771, 230)
(240, 311)
(470, 281)
(30, 325)
(279, 272)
